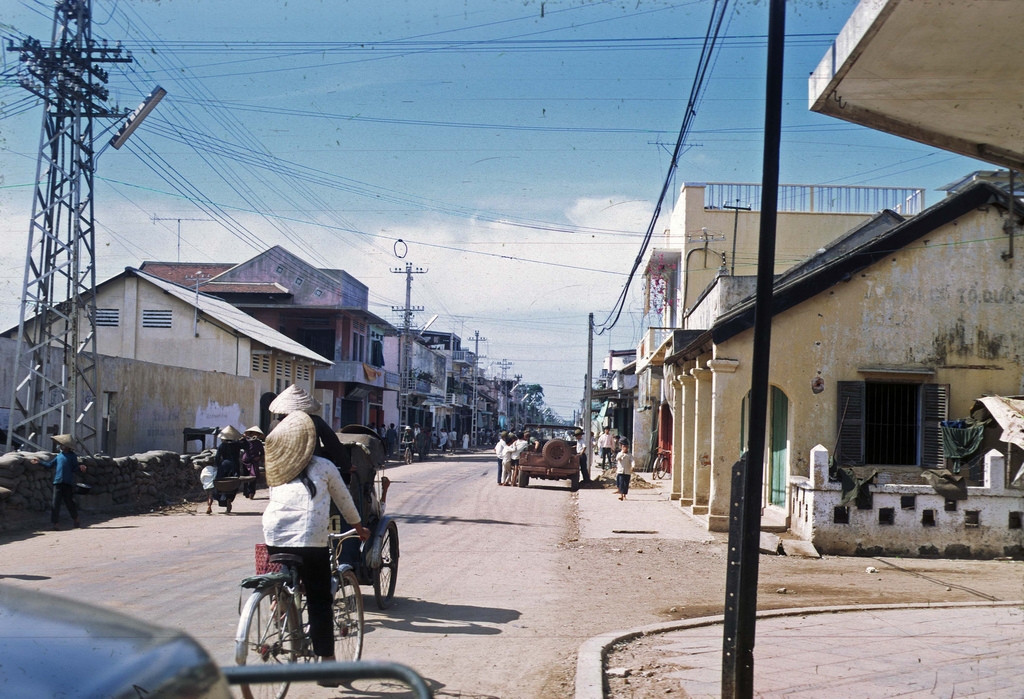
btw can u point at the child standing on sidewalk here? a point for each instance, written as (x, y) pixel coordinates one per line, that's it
(623, 468)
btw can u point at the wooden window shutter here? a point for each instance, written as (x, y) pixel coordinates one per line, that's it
(850, 423)
(935, 397)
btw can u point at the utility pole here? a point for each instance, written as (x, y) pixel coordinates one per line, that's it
(406, 382)
(588, 391)
(747, 474)
(58, 296)
(476, 362)
(199, 277)
(505, 365)
(518, 378)
(735, 228)
(179, 220)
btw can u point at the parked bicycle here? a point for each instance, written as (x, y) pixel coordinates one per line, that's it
(274, 625)
(662, 464)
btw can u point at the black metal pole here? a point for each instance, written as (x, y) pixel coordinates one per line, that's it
(745, 509)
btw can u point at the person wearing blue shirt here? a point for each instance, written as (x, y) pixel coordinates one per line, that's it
(65, 465)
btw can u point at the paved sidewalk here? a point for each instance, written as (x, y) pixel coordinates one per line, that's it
(646, 513)
(943, 650)
(950, 651)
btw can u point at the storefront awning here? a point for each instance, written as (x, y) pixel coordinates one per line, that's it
(942, 72)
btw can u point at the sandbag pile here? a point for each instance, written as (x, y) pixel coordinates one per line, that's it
(154, 477)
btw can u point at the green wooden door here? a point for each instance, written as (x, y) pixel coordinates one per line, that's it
(779, 446)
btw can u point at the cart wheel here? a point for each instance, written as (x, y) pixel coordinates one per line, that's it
(386, 576)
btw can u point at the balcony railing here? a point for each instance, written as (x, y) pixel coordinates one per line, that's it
(350, 372)
(463, 356)
(818, 198)
(651, 341)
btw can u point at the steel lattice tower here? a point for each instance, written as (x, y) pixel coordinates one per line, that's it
(56, 373)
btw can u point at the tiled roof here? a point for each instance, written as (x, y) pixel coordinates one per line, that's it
(215, 287)
(177, 272)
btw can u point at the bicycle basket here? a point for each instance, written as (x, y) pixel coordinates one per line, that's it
(263, 564)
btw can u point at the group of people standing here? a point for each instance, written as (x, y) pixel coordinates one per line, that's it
(509, 447)
(239, 455)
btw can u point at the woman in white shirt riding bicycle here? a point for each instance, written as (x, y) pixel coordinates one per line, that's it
(297, 520)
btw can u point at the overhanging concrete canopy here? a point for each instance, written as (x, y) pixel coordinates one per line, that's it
(946, 73)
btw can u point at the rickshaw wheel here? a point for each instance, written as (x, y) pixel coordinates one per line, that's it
(385, 577)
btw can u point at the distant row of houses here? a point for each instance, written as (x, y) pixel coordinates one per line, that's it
(187, 346)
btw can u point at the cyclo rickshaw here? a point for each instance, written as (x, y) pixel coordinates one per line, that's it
(376, 560)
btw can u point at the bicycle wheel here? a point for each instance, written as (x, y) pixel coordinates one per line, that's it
(386, 576)
(348, 616)
(659, 468)
(408, 456)
(268, 632)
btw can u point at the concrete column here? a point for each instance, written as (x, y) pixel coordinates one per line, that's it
(702, 441)
(677, 437)
(995, 471)
(683, 448)
(725, 449)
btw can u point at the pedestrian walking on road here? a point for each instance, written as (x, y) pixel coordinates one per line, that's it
(581, 451)
(297, 519)
(391, 439)
(422, 444)
(499, 451)
(606, 445)
(65, 465)
(623, 468)
(442, 441)
(252, 459)
(465, 440)
(228, 460)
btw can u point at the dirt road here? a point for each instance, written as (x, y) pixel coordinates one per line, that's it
(496, 588)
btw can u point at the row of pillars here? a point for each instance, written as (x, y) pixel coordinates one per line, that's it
(693, 408)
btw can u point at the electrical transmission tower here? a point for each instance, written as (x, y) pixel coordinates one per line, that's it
(56, 382)
(476, 363)
(406, 381)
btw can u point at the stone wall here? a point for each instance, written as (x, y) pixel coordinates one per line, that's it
(151, 478)
(909, 520)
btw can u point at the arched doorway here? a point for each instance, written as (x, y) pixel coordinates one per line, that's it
(664, 433)
(265, 400)
(778, 444)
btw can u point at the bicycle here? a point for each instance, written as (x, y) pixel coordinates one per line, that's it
(273, 627)
(662, 464)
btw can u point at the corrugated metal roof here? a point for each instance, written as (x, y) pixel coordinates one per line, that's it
(235, 318)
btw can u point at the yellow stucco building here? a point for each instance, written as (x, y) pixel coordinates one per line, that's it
(888, 330)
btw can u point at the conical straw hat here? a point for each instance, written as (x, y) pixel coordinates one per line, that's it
(64, 440)
(229, 433)
(289, 447)
(255, 429)
(294, 398)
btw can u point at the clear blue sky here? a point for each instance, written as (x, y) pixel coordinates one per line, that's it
(516, 146)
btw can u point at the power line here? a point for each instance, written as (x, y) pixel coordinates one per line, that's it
(718, 13)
